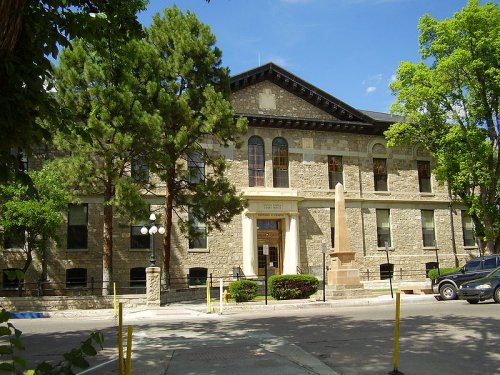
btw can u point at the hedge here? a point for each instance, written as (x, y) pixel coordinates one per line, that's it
(292, 286)
(442, 271)
(243, 290)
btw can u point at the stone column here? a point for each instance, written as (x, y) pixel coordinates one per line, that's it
(291, 253)
(249, 246)
(153, 286)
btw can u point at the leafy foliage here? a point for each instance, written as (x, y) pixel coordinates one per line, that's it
(433, 274)
(106, 125)
(292, 286)
(12, 361)
(187, 93)
(32, 33)
(34, 210)
(451, 104)
(243, 290)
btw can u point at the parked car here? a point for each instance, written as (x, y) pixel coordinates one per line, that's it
(447, 285)
(481, 289)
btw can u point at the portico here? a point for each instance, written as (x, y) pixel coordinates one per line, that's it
(274, 223)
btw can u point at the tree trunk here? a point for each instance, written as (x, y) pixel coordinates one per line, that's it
(107, 245)
(169, 208)
(11, 17)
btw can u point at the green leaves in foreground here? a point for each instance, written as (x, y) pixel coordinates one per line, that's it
(12, 362)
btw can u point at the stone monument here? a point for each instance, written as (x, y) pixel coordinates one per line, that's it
(343, 275)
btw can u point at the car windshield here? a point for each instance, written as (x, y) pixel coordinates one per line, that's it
(473, 265)
(494, 273)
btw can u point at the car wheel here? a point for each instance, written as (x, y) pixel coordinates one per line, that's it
(496, 295)
(473, 301)
(448, 292)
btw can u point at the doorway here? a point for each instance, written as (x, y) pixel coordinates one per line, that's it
(269, 233)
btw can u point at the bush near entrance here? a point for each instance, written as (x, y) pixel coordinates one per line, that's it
(292, 286)
(442, 271)
(243, 290)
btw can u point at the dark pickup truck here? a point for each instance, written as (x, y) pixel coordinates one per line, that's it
(447, 285)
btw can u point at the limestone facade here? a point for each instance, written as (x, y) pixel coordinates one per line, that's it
(293, 221)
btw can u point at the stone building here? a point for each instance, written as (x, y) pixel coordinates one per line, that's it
(301, 142)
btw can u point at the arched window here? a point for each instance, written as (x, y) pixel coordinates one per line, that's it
(280, 162)
(255, 161)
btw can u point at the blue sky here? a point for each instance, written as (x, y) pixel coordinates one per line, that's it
(348, 48)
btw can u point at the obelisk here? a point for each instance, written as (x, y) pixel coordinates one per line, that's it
(343, 273)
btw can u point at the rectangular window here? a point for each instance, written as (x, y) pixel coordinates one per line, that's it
(383, 228)
(139, 170)
(380, 174)
(196, 167)
(468, 230)
(137, 239)
(428, 230)
(77, 226)
(424, 176)
(199, 238)
(14, 239)
(335, 171)
(332, 226)
(76, 278)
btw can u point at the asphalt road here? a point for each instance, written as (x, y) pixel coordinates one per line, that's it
(436, 338)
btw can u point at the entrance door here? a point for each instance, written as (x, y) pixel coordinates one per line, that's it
(269, 233)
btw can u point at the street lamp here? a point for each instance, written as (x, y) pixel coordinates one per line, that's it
(152, 229)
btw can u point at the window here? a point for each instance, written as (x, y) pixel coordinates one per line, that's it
(137, 239)
(198, 240)
(76, 278)
(383, 228)
(335, 171)
(196, 167)
(428, 233)
(197, 276)
(332, 226)
(11, 278)
(424, 176)
(473, 265)
(468, 230)
(139, 170)
(255, 161)
(77, 226)
(14, 239)
(380, 174)
(138, 277)
(280, 162)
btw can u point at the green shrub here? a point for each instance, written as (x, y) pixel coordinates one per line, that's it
(243, 290)
(292, 286)
(442, 271)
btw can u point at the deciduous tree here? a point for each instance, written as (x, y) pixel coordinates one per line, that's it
(451, 103)
(34, 211)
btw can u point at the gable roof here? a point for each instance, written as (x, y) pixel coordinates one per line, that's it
(349, 119)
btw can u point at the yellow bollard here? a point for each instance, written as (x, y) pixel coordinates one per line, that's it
(120, 341)
(396, 371)
(128, 363)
